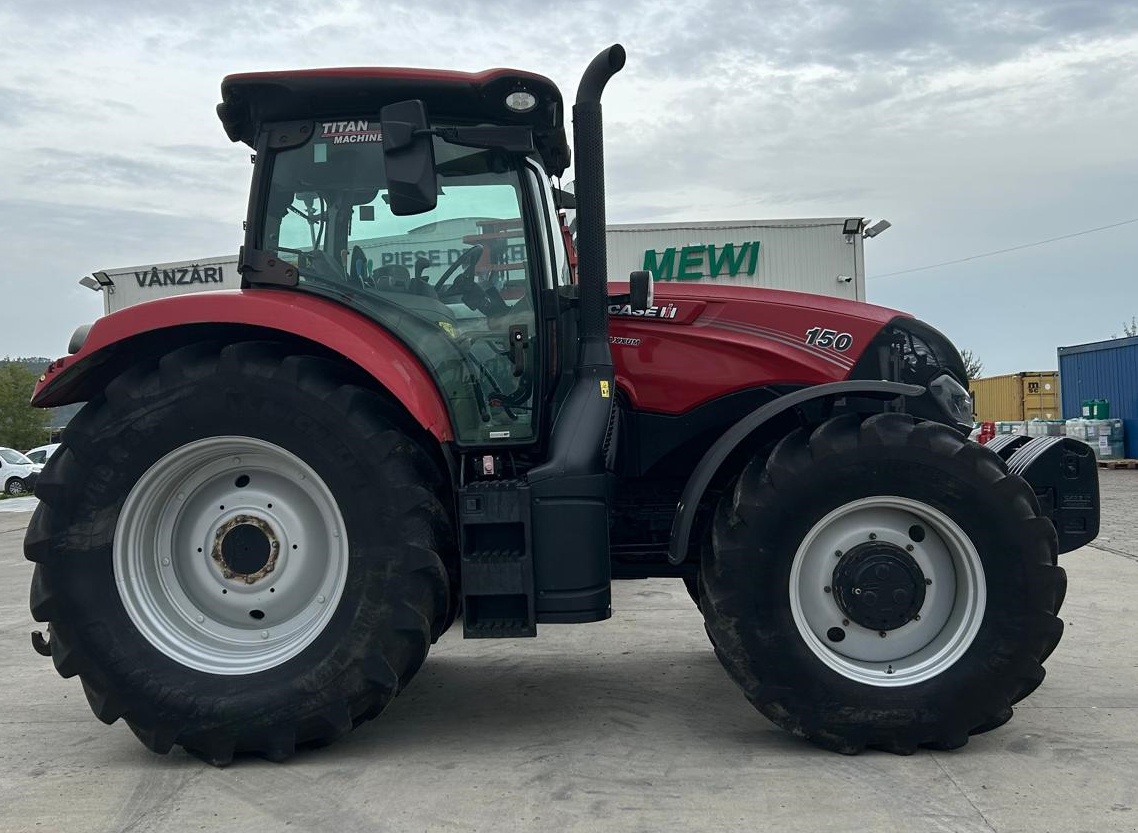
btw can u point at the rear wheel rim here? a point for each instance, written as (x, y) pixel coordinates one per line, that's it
(230, 555)
(948, 619)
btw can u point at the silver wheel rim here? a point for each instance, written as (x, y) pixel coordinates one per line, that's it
(190, 534)
(17, 487)
(949, 618)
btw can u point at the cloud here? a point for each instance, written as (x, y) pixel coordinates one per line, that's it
(67, 168)
(970, 125)
(19, 106)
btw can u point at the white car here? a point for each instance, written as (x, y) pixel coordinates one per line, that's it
(17, 472)
(40, 455)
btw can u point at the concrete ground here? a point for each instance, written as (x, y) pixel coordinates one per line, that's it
(628, 725)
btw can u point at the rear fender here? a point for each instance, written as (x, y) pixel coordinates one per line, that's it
(114, 342)
(715, 456)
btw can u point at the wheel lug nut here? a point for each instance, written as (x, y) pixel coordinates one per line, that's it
(837, 553)
(882, 634)
(200, 618)
(857, 591)
(909, 547)
(264, 634)
(165, 562)
(928, 581)
(873, 536)
(826, 589)
(916, 617)
(320, 600)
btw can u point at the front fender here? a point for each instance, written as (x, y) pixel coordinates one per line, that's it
(112, 340)
(709, 464)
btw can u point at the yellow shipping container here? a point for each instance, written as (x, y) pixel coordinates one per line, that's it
(1017, 396)
(1041, 395)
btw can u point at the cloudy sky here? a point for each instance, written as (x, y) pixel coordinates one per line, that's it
(972, 126)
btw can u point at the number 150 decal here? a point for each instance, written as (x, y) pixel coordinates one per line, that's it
(818, 337)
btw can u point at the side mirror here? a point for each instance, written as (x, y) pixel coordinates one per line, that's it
(409, 158)
(640, 293)
(563, 200)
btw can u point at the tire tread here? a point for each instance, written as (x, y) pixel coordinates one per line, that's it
(427, 612)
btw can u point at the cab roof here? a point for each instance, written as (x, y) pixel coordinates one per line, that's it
(251, 99)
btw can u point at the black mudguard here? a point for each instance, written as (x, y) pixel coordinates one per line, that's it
(709, 464)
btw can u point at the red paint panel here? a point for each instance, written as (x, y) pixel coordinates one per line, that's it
(336, 327)
(722, 339)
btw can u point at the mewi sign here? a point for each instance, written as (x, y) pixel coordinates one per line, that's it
(808, 255)
(693, 263)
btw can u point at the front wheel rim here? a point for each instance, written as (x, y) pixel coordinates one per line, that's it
(950, 613)
(230, 555)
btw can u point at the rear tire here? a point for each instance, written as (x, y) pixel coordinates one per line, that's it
(348, 503)
(779, 582)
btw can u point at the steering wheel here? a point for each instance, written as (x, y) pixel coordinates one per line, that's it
(466, 261)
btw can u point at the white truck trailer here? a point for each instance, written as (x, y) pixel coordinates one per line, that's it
(824, 256)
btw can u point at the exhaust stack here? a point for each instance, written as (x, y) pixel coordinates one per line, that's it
(570, 491)
(592, 255)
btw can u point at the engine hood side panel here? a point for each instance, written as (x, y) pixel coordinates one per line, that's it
(700, 342)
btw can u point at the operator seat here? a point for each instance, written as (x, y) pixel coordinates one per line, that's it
(395, 277)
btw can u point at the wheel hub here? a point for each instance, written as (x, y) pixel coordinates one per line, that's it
(879, 586)
(230, 555)
(246, 548)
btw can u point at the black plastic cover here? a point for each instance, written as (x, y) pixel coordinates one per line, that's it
(1063, 474)
(1007, 444)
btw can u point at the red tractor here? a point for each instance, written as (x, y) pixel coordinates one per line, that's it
(277, 498)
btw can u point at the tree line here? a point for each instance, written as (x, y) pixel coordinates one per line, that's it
(22, 426)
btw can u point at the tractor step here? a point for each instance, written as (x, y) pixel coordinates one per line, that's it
(497, 560)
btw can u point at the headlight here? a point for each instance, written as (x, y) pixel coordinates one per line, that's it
(953, 397)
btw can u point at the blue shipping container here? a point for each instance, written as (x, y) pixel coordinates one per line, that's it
(1103, 370)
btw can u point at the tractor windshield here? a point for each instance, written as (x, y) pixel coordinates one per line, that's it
(453, 283)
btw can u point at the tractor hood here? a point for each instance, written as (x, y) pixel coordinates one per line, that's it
(699, 342)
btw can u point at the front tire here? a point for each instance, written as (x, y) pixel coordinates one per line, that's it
(882, 583)
(238, 549)
(16, 487)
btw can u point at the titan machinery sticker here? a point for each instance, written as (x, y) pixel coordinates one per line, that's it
(350, 132)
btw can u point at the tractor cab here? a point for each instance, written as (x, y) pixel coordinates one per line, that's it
(422, 200)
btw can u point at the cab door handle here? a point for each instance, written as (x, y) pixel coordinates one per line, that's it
(519, 341)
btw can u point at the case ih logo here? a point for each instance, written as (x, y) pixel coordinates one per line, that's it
(666, 311)
(181, 276)
(350, 132)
